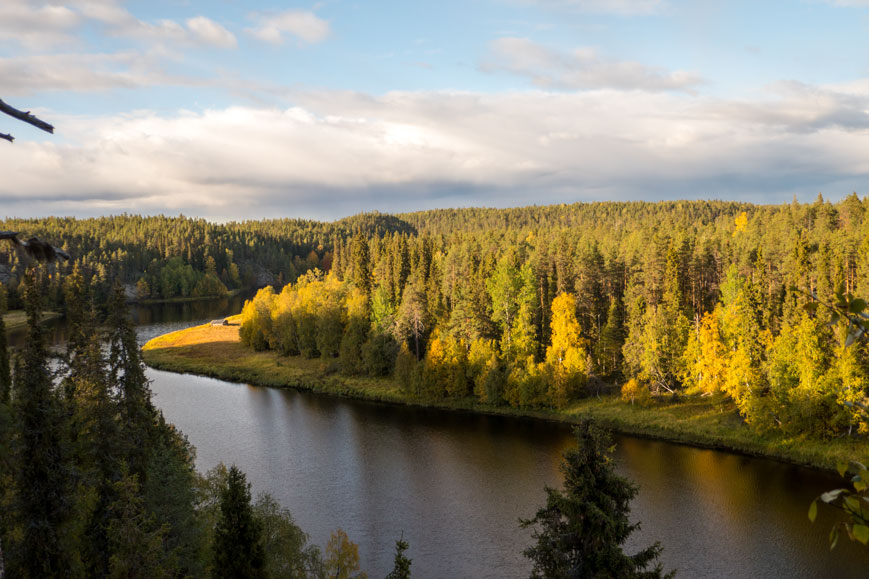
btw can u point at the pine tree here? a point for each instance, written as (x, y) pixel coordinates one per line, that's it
(238, 549)
(580, 532)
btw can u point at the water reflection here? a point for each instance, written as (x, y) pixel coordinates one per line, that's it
(456, 484)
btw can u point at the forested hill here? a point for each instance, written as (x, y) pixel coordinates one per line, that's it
(168, 257)
(539, 305)
(664, 215)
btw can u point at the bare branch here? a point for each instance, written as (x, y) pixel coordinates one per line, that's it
(9, 138)
(26, 117)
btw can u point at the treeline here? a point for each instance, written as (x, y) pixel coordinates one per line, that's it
(167, 257)
(95, 483)
(537, 306)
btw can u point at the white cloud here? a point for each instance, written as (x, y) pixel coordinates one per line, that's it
(199, 31)
(119, 22)
(624, 7)
(583, 68)
(81, 72)
(109, 12)
(37, 27)
(210, 32)
(337, 153)
(305, 26)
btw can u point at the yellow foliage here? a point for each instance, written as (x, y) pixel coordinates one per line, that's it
(635, 391)
(707, 357)
(740, 223)
(356, 304)
(566, 357)
(565, 329)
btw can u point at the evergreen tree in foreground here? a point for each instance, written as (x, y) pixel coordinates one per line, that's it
(581, 530)
(401, 564)
(238, 549)
(42, 475)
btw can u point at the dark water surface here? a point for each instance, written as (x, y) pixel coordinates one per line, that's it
(456, 483)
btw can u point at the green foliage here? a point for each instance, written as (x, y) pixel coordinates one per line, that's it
(401, 563)
(581, 530)
(352, 343)
(379, 354)
(238, 548)
(42, 468)
(854, 502)
(135, 538)
(287, 555)
(5, 367)
(691, 298)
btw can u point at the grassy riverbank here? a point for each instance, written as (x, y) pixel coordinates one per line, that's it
(17, 319)
(216, 351)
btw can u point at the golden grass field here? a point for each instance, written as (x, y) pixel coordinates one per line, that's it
(709, 422)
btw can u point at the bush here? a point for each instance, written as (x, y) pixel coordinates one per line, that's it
(635, 391)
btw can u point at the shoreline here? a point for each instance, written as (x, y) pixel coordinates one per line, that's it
(17, 319)
(183, 300)
(704, 423)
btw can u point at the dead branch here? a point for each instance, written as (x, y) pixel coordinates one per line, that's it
(23, 116)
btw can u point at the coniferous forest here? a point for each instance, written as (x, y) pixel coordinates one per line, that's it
(536, 307)
(530, 308)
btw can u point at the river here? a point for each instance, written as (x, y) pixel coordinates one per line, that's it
(455, 484)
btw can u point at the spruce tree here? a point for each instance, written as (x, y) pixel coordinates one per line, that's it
(581, 530)
(42, 474)
(401, 563)
(238, 549)
(5, 371)
(127, 374)
(360, 262)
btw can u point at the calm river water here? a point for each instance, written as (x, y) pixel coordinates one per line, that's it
(455, 484)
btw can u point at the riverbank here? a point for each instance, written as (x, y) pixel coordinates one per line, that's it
(17, 319)
(714, 423)
(184, 300)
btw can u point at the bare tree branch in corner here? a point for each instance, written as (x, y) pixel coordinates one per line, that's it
(23, 116)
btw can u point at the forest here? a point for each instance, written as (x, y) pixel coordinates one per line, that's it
(95, 483)
(530, 308)
(538, 306)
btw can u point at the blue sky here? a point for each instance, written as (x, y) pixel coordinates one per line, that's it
(234, 110)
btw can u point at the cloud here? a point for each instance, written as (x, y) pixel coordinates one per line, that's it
(81, 72)
(306, 27)
(210, 32)
(119, 22)
(623, 7)
(580, 69)
(200, 31)
(336, 153)
(37, 27)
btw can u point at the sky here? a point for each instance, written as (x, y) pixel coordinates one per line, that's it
(232, 110)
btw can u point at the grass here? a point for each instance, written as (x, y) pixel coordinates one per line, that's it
(17, 319)
(708, 422)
